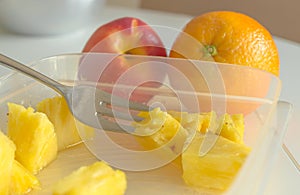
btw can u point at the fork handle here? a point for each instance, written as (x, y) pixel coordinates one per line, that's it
(15, 65)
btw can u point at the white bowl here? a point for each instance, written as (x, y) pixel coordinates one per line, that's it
(46, 17)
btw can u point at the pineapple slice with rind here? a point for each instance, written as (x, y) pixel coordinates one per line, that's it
(33, 135)
(66, 127)
(7, 155)
(217, 167)
(98, 178)
(22, 180)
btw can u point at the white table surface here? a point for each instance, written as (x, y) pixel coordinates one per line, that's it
(285, 178)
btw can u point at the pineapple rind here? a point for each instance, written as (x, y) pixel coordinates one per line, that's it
(98, 178)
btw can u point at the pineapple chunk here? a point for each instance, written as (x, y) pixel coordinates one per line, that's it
(192, 122)
(66, 127)
(23, 180)
(233, 127)
(98, 178)
(33, 135)
(209, 123)
(160, 129)
(7, 155)
(218, 167)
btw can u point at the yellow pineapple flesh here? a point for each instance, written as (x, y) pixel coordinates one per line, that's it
(33, 135)
(7, 155)
(22, 180)
(66, 127)
(218, 168)
(95, 179)
(215, 169)
(159, 129)
(233, 127)
(192, 122)
(209, 122)
(228, 126)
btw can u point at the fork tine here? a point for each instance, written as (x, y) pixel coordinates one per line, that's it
(110, 125)
(106, 110)
(103, 96)
(113, 109)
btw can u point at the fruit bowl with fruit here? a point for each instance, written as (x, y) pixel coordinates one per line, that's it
(214, 124)
(243, 148)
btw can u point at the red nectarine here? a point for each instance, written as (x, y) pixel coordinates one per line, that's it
(126, 36)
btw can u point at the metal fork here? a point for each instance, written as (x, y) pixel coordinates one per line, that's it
(99, 113)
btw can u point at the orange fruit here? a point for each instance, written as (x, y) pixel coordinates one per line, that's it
(229, 39)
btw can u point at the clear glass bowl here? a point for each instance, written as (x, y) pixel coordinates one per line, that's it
(185, 85)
